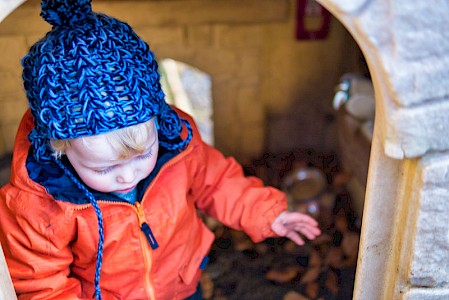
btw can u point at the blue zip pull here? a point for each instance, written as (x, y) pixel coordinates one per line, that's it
(149, 235)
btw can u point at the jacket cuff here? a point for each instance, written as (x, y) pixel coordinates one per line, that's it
(270, 215)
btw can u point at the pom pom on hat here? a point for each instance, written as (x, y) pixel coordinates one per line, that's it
(65, 12)
(92, 74)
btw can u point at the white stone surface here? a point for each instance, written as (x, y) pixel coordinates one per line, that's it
(6, 287)
(430, 258)
(418, 130)
(421, 51)
(8, 6)
(406, 44)
(406, 49)
(426, 294)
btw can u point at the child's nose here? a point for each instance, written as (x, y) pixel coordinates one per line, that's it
(127, 175)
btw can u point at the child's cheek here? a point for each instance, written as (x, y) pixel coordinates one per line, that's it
(99, 182)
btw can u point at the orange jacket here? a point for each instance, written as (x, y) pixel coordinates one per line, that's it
(51, 245)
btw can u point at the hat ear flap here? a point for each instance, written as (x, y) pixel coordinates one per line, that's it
(170, 127)
(40, 146)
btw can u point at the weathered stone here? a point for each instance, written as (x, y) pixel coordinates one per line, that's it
(200, 36)
(432, 225)
(195, 12)
(249, 107)
(25, 20)
(250, 135)
(426, 294)
(237, 36)
(159, 36)
(413, 131)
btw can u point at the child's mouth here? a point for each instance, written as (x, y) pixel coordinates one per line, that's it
(124, 191)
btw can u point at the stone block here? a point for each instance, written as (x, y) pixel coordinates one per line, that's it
(31, 39)
(12, 48)
(219, 63)
(157, 36)
(420, 75)
(226, 126)
(12, 109)
(238, 36)
(249, 62)
(432, 225)
(194, 12)
(7, 290)
(251, 142)
(426, 294)
(224, 104)
(411, 132)
(250, 108)
(12, 96)
(10, 82)
(7, 136)
(412, 28)
(25, 19)
(436, 169)
(200, 36)
(400, 47)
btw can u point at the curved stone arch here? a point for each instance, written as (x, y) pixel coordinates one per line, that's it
(8, 7)
(406, 50)
(412, 119)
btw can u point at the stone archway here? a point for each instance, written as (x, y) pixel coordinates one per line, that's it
(404, 245)
(405, 226)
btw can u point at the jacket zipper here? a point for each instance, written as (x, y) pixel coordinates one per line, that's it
(146, 231)
(147, 254)
(146, 228)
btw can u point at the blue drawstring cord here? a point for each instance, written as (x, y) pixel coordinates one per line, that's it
(94, 203)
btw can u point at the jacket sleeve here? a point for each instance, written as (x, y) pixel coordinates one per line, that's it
(222, 191)
(38, 259)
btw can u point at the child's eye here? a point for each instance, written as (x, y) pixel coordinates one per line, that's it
(105, 170)
(145, 155)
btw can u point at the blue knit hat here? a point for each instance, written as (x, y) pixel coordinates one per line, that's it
(89, 75)
(92, 74)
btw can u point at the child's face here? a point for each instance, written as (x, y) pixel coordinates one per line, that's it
(100, 167)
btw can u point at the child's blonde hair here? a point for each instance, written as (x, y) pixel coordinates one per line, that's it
(125, 141)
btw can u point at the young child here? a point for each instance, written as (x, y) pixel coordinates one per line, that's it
(107, 178)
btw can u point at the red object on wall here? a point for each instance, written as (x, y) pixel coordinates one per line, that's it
(305, 9)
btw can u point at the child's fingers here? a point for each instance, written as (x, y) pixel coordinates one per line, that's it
(307, 227)
(296, 217)
(309, 231)
(300, 226)
(292, 224)
(295, 237)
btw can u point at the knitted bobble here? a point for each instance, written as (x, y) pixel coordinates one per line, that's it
(186, 141)
(65, 12)
(169, 123)
(39, 146)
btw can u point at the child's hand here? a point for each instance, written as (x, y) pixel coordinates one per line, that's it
(288, 224)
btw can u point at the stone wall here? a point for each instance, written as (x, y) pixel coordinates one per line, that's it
(270, 91)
